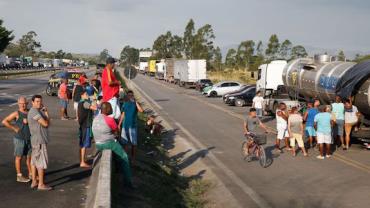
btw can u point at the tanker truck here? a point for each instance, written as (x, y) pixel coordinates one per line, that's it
(323, 77)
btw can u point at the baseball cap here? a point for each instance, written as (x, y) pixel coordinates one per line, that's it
(111, 60)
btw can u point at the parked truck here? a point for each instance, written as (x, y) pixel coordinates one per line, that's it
(159, 69)
(168, 73)
(193, 71)
(178, 66)
(151, 68)
(323, 77)
(143, 60)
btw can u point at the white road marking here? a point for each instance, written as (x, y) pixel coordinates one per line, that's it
(237, 180)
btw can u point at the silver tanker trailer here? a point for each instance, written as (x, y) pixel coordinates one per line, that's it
(323, 77)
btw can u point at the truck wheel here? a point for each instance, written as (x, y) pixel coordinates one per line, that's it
(213, 94)
(239, 102)
(48, 91)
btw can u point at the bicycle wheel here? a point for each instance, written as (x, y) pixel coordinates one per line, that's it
(244, 150)
(262, 156)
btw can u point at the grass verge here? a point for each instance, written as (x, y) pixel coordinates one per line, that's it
(232, 75)
(158, 181)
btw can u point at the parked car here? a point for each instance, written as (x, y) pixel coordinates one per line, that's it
(55, 81)
(242, 88)
(202, 83)
(222, 88)
(206, 89)
(242, 98)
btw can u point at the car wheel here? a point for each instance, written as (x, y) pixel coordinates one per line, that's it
(48, 91)
(239, 102)
(213, 94)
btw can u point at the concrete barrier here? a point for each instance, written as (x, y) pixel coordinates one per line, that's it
(99, 192)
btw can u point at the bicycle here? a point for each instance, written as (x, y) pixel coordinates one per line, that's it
(257, 150)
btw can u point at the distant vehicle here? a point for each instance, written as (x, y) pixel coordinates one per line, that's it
(143, 60)
(178, 66)
(242, 88)
(159, 69)
(193, 71)
(168, 73)
(55, 81)
(151, 68)
(202, 83)
(206, 89)
(222, 88)
(242, 98)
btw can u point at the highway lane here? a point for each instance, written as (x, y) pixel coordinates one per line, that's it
(69, 181)
(288, 182)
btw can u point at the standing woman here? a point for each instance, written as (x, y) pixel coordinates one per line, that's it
(351, 117)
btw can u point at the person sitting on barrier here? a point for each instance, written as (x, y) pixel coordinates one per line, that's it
(295, 129)
(105, 131)
(250, 125)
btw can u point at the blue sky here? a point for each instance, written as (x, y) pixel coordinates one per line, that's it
(88, 26)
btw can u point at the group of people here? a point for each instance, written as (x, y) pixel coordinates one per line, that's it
(322, 125)
(101, 116)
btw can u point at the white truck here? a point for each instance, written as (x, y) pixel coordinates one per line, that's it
(143, 60)
(193, 71)
(178, 66)
(270, 83)
(159, 69)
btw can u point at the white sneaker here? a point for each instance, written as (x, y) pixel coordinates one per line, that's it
(22, 179)
(320, 157)
(328, 156)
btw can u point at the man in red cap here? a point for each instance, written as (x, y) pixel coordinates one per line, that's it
(110, 87)
(76, 93)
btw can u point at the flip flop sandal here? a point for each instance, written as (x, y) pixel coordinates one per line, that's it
(47, 188)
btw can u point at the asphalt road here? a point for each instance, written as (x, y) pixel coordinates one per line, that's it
(64, 174)
(216, 129)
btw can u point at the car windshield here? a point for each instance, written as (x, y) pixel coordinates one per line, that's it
(205, 81)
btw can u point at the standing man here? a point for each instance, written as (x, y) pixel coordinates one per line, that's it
(22, 143)
(128, 123)
(338, 111)
(323, 124)
(63, 99)
(110, 87)
(282, 127)
(76, 93)
(85, 117)
(258, 104)
(39, 121)
(309, 117)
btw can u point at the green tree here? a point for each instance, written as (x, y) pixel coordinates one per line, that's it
(68, 56)
(273, 47)
(341, 56)
(298, 52)
(168, 46)
(188, 39)
(103, 56)
(259, 48)
(28, 44)
(245, 53)
(129, 56)
(60, 54)
(230, 60)
(13, 50)
(203, 47)
(217, 59)
(5, 37)
(285, 49)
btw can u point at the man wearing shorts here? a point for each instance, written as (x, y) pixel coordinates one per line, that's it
(110, 87)
(338, 111)
(21, 140)
(128, 123)
(85, 117)
(76, 93)
(63, 99)
(282, 127)
(309, 117)
(39, 121)
(323, 124)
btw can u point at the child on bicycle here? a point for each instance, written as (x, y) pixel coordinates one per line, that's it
(250, 125)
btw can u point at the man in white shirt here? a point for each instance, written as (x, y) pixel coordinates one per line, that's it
(258, 104)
